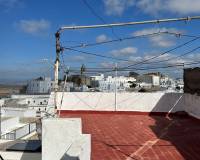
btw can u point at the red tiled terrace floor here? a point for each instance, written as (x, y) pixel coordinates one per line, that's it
(141, 137)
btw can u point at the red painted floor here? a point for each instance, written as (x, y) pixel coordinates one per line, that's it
(141, 137)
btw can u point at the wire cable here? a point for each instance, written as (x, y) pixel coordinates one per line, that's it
(99, 17)
(163, 53)
(148, 68)
(172, 58)
(82, 45)
(126, 60)
(98, 55)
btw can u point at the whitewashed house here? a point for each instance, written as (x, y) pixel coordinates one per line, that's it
(40, 86)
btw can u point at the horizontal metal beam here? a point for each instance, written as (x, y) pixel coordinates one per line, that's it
(128, 23)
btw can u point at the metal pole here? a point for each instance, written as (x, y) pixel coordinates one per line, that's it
(131, 23)
(63, 91)
(115, 86)
(56, 70)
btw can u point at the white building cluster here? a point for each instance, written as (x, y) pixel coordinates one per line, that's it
(40, 86)
(109, 84)
(148, 81)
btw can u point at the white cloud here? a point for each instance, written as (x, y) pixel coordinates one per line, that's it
(117, 7)
(177, 61)
(153, 7)
(33, 26)
(174, 6)
(101, 38)
(124, 51)
(79, 58)
(194, 56)
(135, 59)
(8, 4)
(162, 40)
(107, 64)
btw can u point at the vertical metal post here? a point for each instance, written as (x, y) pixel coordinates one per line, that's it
(115, 86)
(63, 91)
(56, 69)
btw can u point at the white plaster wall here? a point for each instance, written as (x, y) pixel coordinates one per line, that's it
(2, 102)
(21, 132)
(30, 113)
(20, 156)
(144, 102)
(56, 144)
(18, 112)
(81, 148)
(9, 124)
(31, 100)
(29, 96)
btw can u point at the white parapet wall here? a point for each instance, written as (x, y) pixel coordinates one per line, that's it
(99, 101)
(18, 112)
(8, 123)
(20, 155)
(62, 138)
(141, 102)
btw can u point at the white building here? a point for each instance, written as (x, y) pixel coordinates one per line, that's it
(40, 86)
(110, 83)
(179, 83)
(98, 77)
(149, 80)
(67, 87)
(167, 82)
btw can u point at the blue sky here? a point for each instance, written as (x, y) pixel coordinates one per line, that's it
(27, 33)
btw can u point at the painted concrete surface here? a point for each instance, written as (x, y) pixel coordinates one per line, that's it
(18, 112)
(1, 102)
(63, 139)
(144, 102)
(9, 123)
(80, 149)
(20, 156)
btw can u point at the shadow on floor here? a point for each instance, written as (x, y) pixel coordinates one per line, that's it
(181, 130)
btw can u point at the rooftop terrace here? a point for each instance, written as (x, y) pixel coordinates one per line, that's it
(127, 136)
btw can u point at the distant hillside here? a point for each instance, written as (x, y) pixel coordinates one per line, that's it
(6, 90)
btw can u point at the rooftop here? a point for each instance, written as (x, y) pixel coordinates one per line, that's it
(140, 137)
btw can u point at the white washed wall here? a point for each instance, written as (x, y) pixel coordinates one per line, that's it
(18, 112)
(2, 102)
(7, 125)
(71, 142)
(144, 102)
